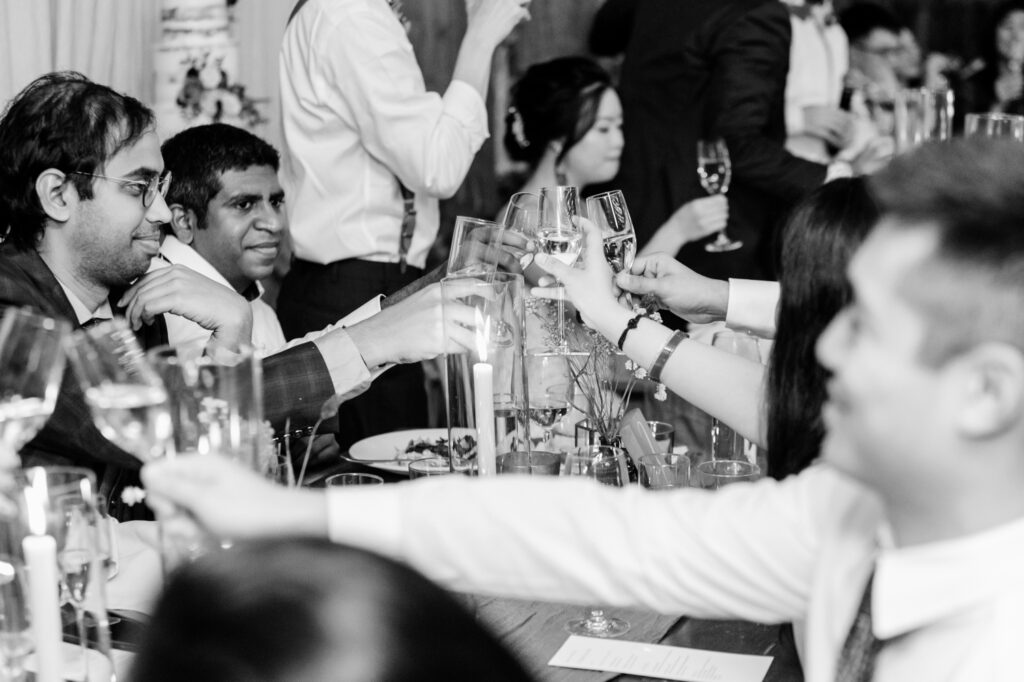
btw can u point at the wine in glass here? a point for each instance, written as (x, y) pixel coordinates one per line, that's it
(608, 211)
(551, 390)
(77, 550)
(126, 397)
(559, 234)
(606, 465)
(31, 366)
(715, 171)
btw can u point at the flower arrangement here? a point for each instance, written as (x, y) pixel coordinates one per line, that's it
(207, 96)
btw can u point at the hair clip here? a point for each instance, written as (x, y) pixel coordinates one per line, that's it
(517, 127)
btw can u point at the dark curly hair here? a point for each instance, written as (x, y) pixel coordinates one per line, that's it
(555, 100)
(65, 121)
(196, 158)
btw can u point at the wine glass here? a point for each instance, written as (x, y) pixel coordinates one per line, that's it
(16, 641)
(550, 388)
(715, 171)
(31, 366)
(523, 213)
(608, 211)
(559, 234)
(126, 397)
(606, 465)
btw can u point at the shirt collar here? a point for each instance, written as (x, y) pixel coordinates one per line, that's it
(82, 313)
(919, 585)
(174, 250)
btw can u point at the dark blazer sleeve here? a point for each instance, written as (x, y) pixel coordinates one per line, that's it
(746, 104)
(296, 383)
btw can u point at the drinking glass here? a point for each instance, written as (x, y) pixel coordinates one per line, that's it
(726, 443)
(716, 473)
(67, 498)
(432, 466)
(608, 211)
(126, 397)
(476, 249)
(606, 465)
(922, 115)
(715, 171)
(353, 479)
(550, 388)
(559, 234)
(16, 641)
(664, 435)
(535, 463)
(31, 366)
(995, 125)
(664, 471)
(523, 213)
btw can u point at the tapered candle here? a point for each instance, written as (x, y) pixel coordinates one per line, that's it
(483, 407)
(41, 560)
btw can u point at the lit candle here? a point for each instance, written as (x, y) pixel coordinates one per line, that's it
(41, 560)
(483, 402)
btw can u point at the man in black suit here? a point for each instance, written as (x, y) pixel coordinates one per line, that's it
(81, 206)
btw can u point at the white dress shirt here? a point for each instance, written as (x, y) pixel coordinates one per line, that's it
(356, 114)
(349, 373)
(799, 550)
(753, 306)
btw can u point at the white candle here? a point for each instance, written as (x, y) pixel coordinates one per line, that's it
(483, 407)
(41, 560)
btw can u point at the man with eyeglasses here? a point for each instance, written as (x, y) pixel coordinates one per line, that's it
(875, 48)
(82, 205)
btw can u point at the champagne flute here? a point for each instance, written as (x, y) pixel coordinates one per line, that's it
(715, 171)
(126, 397)
(76, 543)
(31, 366)
(606, 465)
(559, 234)
(608, 211)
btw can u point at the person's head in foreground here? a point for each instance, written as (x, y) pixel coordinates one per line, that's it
(926, 398)
(818, 240)
(226, 200)
(565, 121)
(81, 181)
(308, 610)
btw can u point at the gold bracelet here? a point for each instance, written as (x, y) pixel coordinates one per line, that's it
(666, 352)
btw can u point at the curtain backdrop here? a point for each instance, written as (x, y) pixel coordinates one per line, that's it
(112, 42)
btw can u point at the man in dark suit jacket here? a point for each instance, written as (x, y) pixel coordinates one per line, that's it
(81, 207)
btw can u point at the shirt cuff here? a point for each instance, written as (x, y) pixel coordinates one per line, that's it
(463, 103)
(838, 169)
(349, 373)
(752, 305)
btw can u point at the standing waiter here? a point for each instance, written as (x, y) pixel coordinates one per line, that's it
(368, 153)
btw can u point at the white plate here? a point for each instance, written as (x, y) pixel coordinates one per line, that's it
(388, 446)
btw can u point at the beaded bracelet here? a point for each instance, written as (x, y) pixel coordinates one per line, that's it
(666, 352)
(630, 326)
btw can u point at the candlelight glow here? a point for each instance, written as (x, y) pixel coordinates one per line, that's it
(34, 507)
(483, 333)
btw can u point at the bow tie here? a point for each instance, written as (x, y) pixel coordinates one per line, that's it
(805, 12)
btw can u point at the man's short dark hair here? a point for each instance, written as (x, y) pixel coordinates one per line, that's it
(860, 19)
(65, 121)
(197, 157)
(971, 192)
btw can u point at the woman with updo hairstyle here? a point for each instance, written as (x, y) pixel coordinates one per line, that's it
(565, 122)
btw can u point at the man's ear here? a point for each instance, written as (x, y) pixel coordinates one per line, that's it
(183, 223)
(55, 194)
(991, 390)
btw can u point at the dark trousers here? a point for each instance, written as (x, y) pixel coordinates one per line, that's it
(314, 296)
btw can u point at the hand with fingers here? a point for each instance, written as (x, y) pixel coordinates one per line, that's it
(676, 288)
(492, 20)
(178, 290)
(828, 123)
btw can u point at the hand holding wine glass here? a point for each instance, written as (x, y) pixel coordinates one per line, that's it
(559, 234)
(715, 171)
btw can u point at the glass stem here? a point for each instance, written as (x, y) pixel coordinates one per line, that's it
(83, 638)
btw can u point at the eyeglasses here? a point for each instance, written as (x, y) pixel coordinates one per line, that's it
(139, 188)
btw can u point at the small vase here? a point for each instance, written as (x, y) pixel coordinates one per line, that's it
(587, 435)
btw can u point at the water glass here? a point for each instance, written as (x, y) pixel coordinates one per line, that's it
(922, 115)
(523, 213)
(432, 466)
(476, 249)
(715, 473)
(664, 435)
(664, 472)
(1009, 126)
(353, 479)
(534, 463)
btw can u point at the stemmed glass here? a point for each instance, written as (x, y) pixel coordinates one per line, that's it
(550, 388)
(559, 233)
(15, 626)
(523, 213)
(715, 171)
(608, 211)
(126, 396)
(606, 465)
(31, 367)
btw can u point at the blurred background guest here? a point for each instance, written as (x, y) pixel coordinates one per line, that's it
(999, 86)
(304, 610)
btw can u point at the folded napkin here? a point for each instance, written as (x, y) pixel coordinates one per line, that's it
(534, 631)
(136, 579)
